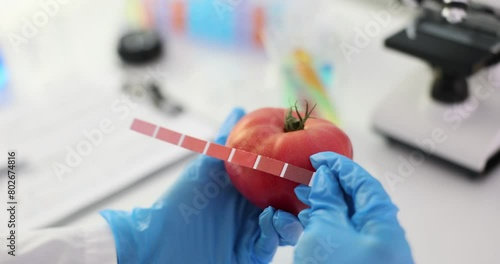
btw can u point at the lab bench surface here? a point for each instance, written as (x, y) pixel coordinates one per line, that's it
(447, 217)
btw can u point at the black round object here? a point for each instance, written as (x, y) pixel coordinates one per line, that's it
(450, 88)
(140, 47)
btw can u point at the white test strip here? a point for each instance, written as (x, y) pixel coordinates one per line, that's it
(205, 150)
(283, 171)
(256, 164)
(231, 155)
(181, 140)
(156, 131)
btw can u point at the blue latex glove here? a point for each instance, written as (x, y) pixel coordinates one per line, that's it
(351, 219)
(202, 219)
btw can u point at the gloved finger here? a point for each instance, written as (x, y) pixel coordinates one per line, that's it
(304, 216)
(288, 228)
(226, 127)
(327, 198)
(373, 208)
(268, 241)
(302, 192)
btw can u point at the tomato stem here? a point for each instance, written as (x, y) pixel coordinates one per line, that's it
(293, 123)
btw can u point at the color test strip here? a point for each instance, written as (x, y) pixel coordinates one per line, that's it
(236, 156)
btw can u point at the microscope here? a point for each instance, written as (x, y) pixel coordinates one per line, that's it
(452, 111)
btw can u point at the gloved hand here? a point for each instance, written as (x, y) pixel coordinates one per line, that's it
(351, 219)
(202, 219)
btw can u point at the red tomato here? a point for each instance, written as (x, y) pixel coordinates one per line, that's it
(263, 132)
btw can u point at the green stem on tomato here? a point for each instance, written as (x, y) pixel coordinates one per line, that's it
(294, 124)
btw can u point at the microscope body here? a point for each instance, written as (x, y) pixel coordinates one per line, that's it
(455, 11)
(459, 98)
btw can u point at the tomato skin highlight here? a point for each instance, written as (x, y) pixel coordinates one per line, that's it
(262, 132)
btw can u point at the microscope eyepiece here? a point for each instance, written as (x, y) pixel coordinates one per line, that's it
(455, 11)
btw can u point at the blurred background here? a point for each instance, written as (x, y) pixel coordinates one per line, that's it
(413, 86)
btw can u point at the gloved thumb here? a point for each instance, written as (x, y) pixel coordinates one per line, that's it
(277, 228)
(327, 200)
(373, 209)
(268, 240)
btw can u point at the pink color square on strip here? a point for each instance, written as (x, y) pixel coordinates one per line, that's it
(143, 127)
(168, 135)
(194, 144)
(244, 158)
(298, 174)
(271, 166)
(218, 151)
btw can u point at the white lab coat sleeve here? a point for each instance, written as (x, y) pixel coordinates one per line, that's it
(76, 245)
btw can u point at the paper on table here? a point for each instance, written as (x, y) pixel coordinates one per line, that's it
(83, 152)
